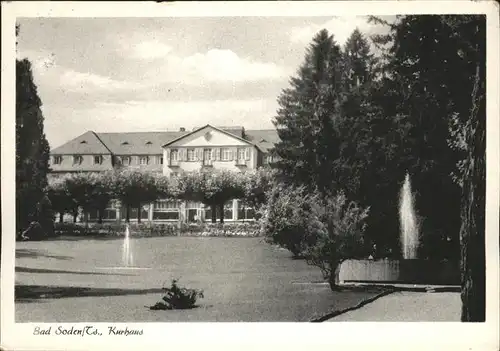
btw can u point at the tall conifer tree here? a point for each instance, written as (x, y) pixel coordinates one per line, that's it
(32, 152)
(308, 144)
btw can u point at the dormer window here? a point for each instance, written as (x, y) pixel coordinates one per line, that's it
(77, 159)
(98, 160)
(57, 160)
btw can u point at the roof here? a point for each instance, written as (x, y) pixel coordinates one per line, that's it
(232, 132)
(87, 143)
(150, 143)
(265, 139)
(138, 143)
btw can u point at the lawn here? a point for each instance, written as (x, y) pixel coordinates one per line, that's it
(244, 279)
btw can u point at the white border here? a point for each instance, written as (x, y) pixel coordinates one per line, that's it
(439, 336)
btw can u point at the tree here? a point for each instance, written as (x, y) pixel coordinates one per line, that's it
(307, 149)
(339, 225)
(287, 218)
(133, 188)
(428, 70)
(358, 59)
(61, 200)
(469, 136)
(100, 192)
(32, 149)
(257, 184)
(212, 188)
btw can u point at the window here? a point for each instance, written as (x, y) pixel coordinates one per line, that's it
(174, 155)
(245, 212)
(98, 160)
(57, 160)
(166, 210)
(226, 154)
(160, 160)
(77, 160)
(149, 143)
(241, 154)
(144, 160)
(144, 212)
(228, 211)
(190, 154)
(207, 154)
(125, 160)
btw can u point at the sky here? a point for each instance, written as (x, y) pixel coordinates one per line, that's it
(158, 74)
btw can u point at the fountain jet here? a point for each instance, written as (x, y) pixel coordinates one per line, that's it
(408, 221)
(127, 258)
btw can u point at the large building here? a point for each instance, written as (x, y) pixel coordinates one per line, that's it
(170, 153)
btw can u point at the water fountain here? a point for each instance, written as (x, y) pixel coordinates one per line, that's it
(409, 231)
(127, 257)
(410, 269)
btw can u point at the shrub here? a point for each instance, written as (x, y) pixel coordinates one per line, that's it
(286, 219)
(178, 298)
(339, 226)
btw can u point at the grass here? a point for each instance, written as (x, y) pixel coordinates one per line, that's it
(242, 279)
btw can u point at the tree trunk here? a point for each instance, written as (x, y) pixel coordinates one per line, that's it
(221, 208)
(127, 217)
(213, 210)
(61, 217)
(139, 214)
(472, 232)
(333, 279)
(75, 215)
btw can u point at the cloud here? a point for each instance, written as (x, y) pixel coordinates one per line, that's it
(226, 65)
(162, 63)
(84, 82)
(151, 49)
(340, 27)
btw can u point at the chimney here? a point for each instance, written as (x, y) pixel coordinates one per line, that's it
(182, 129)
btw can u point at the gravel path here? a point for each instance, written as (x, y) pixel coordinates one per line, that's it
(405, 306)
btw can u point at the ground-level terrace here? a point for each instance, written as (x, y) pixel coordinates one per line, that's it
(167, 210)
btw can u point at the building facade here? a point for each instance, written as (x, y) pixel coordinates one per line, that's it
(169, 153)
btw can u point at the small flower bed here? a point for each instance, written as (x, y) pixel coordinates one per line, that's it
(147, 229)
(178, 298)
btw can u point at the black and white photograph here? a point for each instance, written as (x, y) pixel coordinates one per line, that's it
(250, 167)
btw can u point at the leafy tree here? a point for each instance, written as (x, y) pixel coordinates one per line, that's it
(308, 145)
(257, 184)
(32, 149)
(339, 225)
(100, 192)
(133, 188)
(61, 200)
(213, 188)
(287, 218)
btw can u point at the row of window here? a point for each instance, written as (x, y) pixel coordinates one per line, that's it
(170, 210)
(124, 160)
(209, 154)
